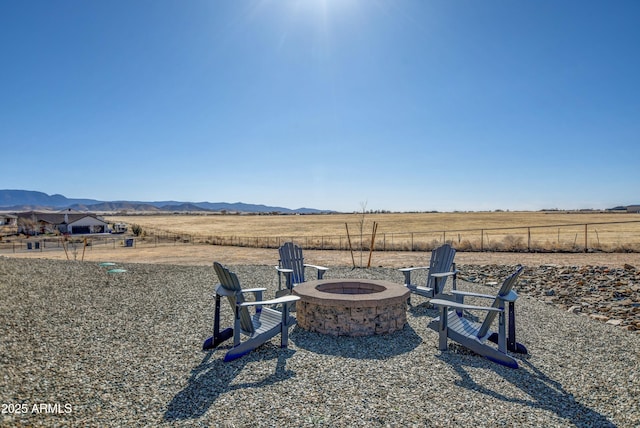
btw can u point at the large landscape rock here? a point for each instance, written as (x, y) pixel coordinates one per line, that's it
(610, 295)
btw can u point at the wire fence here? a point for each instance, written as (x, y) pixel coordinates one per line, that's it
(72, 245)
(621, 236)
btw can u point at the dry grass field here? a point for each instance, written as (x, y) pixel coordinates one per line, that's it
(401, 239)
(498, 231)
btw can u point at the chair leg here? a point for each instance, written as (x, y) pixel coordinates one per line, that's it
(289, 280)
(437, 288)
(454, 284)
(236, 327)
(407, 277)
(284, 325)
(216, 316)
(218, 336)
(511, 339)
(502, 343)
(459, 299)
(284, 330)
(442, 333)
(512, 344)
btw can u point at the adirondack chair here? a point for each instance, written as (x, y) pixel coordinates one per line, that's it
(259, 328)
(292, 265)
(440, 268)
(451, 324)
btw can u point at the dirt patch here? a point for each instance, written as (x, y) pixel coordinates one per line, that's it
(198, 255)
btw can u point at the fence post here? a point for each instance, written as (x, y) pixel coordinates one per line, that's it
(585, 239)
(528, 238)
(411, 241)
(481, 239)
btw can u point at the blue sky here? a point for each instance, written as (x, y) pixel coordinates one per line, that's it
(331, 104)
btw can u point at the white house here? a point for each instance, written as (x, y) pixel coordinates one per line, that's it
(73, 223)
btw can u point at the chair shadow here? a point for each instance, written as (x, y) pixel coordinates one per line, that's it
(546, 393)
(211, 378)
(375, 347)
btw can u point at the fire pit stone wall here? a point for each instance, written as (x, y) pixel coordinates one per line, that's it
(351, 307)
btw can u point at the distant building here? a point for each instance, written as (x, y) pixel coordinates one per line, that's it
(8, 224)
(66, 222)
(119, 228)
(633, 208)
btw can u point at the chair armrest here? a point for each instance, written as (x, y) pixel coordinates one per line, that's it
(283, 270)
(471, 294)
(316, 267)
(452, 304)
(409, 269)
(512, 296)
(407, 273)
(220, 290)
(252, 290)
(279, 300)
(224, 292)
(443, 274)
(320, 269)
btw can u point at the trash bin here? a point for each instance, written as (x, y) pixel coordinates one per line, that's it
(37, 244)
(128, 242)
(28, 245)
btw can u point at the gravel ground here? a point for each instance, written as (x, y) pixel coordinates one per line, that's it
(80, 347)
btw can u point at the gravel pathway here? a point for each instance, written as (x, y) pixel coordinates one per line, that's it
(81, 347)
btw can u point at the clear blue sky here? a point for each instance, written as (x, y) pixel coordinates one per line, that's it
(330, 104)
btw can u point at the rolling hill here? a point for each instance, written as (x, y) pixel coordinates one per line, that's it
(25, 200)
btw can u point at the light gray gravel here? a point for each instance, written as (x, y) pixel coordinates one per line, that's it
(89, 348)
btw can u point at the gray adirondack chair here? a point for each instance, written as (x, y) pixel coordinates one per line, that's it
(292, 266)
(451, 324)
(259, 328)
(440, 268)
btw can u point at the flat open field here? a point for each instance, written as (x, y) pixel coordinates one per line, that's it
(243, 239)
(502, 231)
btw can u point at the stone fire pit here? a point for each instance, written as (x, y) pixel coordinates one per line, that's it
(351, 307)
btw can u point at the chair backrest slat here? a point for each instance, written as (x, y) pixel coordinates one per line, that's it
(441, 261)
(291, 258)
(229, 281)
(506, 288)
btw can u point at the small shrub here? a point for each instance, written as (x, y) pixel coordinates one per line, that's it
(464, 245)
(136, 229)
(513, 243)
(625, 248)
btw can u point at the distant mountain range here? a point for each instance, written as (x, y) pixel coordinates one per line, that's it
(26, 200)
